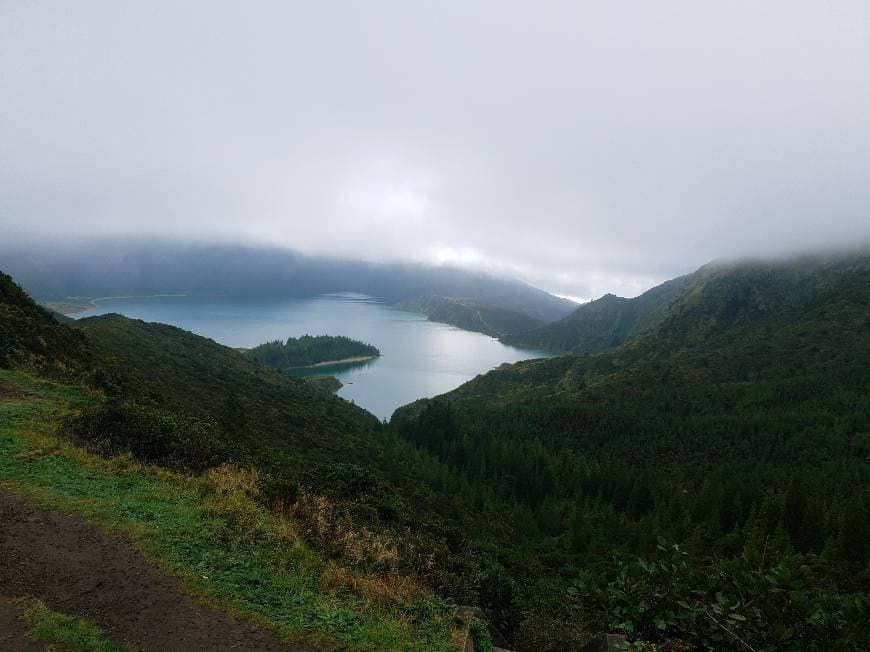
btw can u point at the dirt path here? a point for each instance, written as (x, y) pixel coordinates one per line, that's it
(76, 569)
(13, 632)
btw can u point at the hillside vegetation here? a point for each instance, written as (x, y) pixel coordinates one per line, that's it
(32, 338)
(738, 429)
(213, 531)
(471, 315)
(310, 350)
(703, 485)
(603, 323)
(240, 407)
(351, 490)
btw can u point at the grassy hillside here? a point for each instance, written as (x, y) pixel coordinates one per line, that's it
(471, 315)
(214, 532)
(32, 338)
(738, 427)
(603, 323)
(388, 514)
(253, 408)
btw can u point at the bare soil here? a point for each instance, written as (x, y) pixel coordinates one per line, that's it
(76, 569)
(13, 631)
(9, 390)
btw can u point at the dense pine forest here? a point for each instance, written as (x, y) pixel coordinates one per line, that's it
(703, 485)
(706, 484)
(601, 324)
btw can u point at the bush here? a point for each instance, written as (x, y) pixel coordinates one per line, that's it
(677, 600)
(152, 436)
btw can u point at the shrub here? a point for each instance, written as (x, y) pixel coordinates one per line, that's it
(152, 436)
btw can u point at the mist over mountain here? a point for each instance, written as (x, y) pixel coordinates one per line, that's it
(439, 326)
(118, 267)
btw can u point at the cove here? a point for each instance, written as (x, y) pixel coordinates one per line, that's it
(418, 359)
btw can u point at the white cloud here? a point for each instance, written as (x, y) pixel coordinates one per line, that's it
(586, 147)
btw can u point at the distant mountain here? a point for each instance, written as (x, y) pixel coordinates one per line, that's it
(603, 323)
(471, 315)
(115, 268)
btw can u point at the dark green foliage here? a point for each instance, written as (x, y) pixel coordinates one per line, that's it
(267, 415)
(725, 604)
(31, 338)
(169, 439)
(471, 315)
(309, 350)
(480, 635)
(329, 384)
(603, 323)
(740, 425)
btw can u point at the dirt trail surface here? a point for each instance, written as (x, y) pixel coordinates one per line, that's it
(13, 632)
(78, 570)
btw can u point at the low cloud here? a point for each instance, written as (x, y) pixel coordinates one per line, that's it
(585, 147)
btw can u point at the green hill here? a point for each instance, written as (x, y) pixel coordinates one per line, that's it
(32, 338)
(287, 481)
(711, 471)
(254, 408)
(471, 315)
(603, 323)
(739, 427)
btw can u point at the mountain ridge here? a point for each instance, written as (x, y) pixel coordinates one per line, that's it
(470, 314)
(112, 268)
(602, 323)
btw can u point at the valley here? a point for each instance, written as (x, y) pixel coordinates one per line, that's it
(703, 459)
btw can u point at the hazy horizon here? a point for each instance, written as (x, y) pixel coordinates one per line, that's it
(581, 148)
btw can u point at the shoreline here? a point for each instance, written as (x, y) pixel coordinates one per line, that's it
(332, 363)
(69, 306)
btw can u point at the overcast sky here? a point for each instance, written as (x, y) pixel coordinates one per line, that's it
(585, 147)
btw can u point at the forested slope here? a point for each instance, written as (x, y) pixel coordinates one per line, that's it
(738, 427)
(471, 315)
(602, 323)
(251, 406)
(32, 338)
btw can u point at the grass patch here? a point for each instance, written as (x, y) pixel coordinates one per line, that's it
(211, 532)
(65, 633)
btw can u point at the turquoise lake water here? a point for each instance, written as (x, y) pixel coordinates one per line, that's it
(418, 359)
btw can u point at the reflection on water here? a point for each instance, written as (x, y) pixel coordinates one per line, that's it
(418, 359)
(330, 370)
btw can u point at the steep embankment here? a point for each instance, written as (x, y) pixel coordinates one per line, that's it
(471, 315)
(31, 338)
(603, 323)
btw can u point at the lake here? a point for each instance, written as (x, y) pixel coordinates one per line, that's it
(418, 359)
